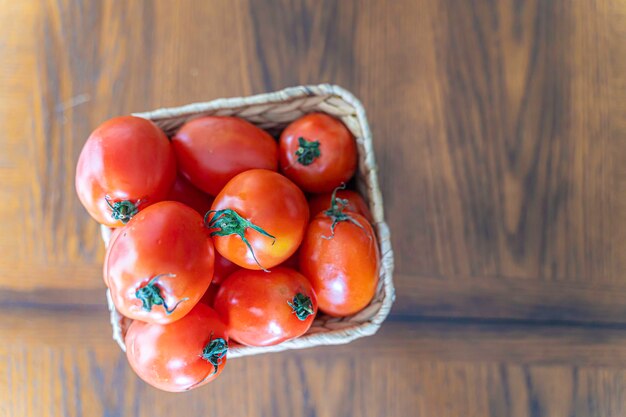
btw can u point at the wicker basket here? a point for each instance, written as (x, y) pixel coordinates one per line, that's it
(273, 111)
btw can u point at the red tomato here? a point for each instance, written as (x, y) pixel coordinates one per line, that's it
(161, 263)
(317, 152)
(258, 219)
(223, 268)
(184, 192)
(212, 150)
(266, 308)
(179, 356)
(126, 164)
(353, 202)
(339, 255)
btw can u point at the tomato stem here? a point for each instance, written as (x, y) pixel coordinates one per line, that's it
(229, 222)
(150, 295)
(335, 212)
(122, 210)
(302, 306)
(214, 352)
(308, 151)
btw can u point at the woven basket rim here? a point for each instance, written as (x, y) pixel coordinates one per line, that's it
(326, 337)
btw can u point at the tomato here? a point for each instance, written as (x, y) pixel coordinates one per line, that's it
(161, 263)
(209, 296)
(212, 150)
(353, 202)
(126, 165)
(258, 219)
(184, 192)
(223, 268)
(179, 356)
(266, 308)
(317, 152)
(340, 256)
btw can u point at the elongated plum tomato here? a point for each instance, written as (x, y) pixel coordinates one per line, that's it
(179, 356)
(353, 202)
(317, 152)
(160, 264)
(184, 192)
(266, 308)
(126, 165)
(340, 256)
(258, 220)
(212, 150)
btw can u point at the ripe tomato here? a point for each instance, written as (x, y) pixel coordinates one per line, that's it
(179, 356)
(353, 202)
(184, 192)
(339, 255)
(160, 264)
(126, 164)
(266, 308)
(258, 220)
(317, 152)
(212, 150)
(223, 268)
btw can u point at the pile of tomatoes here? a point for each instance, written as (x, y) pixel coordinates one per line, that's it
(215, 242)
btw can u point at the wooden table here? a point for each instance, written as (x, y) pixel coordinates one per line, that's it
(500, 138)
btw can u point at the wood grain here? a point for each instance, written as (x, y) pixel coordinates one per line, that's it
(71, 366)
(499, 131)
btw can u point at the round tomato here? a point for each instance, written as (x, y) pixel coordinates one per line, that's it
(317, 152)
(266, 308)
(223, 268)
(351, 199)
(160, 264)
(179, 356)
(212, 150)
(340, 256)
(126, 164)
(258, 220)
(184, 192)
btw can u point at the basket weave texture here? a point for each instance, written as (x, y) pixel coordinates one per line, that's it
(273, 111)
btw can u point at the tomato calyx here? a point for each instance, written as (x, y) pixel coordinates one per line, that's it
(122, 210)
(308, 151)
(336, 213)
(214, 352)
(150, 295)
(229, 222)
(302, 306)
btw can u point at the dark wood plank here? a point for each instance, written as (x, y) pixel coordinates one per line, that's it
(68, 363)
(501, 155)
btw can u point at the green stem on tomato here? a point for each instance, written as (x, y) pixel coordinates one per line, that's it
(302, 306)
(308, 151)
(336, 213)
(150, 295)
(122, 210)
(229, 222)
